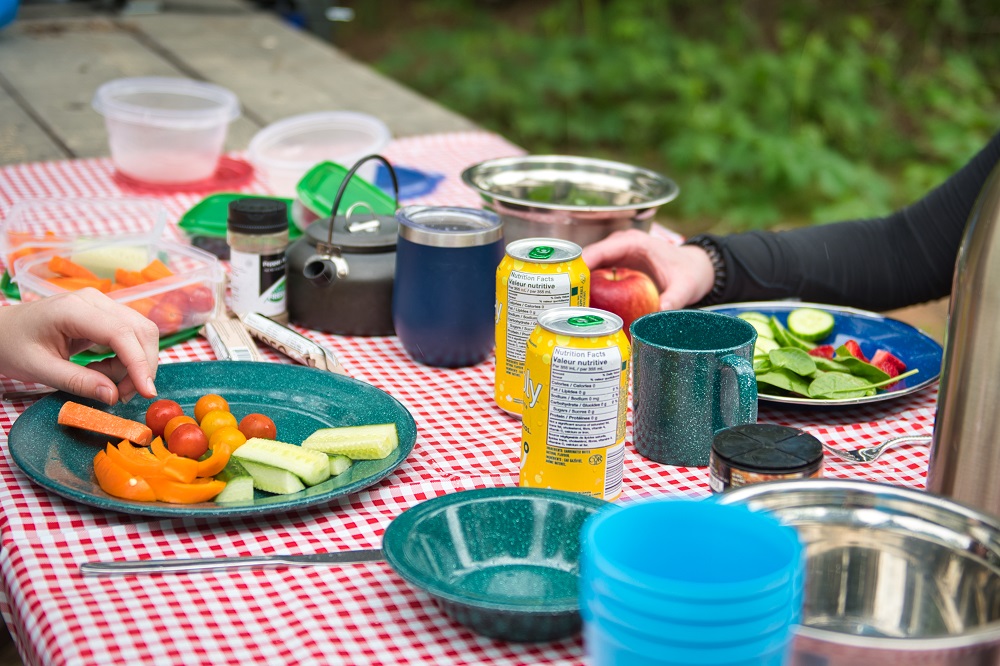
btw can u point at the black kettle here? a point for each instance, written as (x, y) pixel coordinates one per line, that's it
(340, 271)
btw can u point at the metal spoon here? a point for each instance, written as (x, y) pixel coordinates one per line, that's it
(872, 453)
(182, 565)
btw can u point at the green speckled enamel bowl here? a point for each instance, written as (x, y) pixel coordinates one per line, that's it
(298, 399)
(502, 561)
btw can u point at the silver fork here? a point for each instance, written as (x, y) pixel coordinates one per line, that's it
(872, 453)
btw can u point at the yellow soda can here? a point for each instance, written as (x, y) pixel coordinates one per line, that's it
(576, 395)
(535, 275)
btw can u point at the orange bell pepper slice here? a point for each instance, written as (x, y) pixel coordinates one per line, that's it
(143, 463)
(119, 482)
(159, 449)
(216, 462)
(175, 492)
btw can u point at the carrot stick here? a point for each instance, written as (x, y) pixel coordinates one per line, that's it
(74, 283)
(75, 415)
(66, 268)
(156, 270)
(128, 278)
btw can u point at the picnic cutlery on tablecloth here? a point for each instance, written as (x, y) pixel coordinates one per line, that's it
(872, 453)
(186, 565)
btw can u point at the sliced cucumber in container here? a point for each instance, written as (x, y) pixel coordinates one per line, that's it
(810, 324)
(239, 483)
(273, 480)
(339, 464)
(311, 466)
(368, 442)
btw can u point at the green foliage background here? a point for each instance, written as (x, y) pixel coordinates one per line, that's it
(765, 112)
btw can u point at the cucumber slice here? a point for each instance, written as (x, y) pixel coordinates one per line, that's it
(785, 338)
(339, 464)
(273, 480)
(239, 483)
(763, 329)
(369, 442)
(764, 346)
(752, 316)
(311, 466)
(810, 324)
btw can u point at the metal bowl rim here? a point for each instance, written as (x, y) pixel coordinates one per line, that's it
(977, 637)
(672, 189)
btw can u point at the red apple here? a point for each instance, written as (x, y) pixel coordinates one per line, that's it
(628, 293)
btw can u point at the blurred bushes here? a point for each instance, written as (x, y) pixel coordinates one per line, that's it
(764, 112)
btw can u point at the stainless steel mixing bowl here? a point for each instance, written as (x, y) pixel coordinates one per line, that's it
(580, 199)
(893, 576)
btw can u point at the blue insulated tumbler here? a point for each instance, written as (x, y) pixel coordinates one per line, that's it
(443, 293)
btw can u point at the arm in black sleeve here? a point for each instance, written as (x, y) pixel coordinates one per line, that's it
(877, 264)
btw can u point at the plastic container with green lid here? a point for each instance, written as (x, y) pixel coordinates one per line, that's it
(317, 191)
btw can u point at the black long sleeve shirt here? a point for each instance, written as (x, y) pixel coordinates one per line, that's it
(885, 263)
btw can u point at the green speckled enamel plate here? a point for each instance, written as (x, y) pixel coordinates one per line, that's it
(298, 399)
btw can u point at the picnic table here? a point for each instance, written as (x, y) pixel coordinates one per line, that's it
(54, 145)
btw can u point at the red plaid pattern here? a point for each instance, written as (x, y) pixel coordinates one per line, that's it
(355, 614)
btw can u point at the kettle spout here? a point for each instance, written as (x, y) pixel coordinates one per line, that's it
(965, 454)
(322, 270)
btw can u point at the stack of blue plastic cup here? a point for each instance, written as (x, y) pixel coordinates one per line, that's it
(678, 582)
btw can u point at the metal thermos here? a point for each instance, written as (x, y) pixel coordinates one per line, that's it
(965, 454)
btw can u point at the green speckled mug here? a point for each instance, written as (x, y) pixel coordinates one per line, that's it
(692, 375)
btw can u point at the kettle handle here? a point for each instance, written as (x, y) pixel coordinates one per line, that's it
(347, 179)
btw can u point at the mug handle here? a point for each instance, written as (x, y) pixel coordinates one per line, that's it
(746, 384)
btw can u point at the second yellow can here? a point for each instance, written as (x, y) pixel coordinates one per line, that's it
(535, 275)
(576, 396)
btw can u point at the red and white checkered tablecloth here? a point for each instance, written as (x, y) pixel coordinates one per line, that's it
(356, 614)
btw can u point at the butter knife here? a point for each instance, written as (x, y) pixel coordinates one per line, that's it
(183, 565)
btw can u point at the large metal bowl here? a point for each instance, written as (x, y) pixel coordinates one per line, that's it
(893, 576)
(580, 199)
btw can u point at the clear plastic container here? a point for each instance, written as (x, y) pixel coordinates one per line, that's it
(165, 130)
(34, 225)
(284, 151)
(183, 300)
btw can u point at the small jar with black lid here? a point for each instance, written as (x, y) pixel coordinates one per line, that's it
(257, 233)
(758, 452)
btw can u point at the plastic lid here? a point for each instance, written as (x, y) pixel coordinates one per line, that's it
(317, 191)
(448, 226)
(258, 215)
(301, 141)
(767, 448)
(166, 102)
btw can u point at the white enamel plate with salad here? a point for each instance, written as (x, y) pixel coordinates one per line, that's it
(824, 355)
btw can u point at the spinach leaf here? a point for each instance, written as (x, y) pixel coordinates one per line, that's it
(785, 379)
(827, 365)
(858, 367)
(793, 359)
(834, 385)
(786, 338)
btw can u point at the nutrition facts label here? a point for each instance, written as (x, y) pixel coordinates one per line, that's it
(584, 389)
(527, 295)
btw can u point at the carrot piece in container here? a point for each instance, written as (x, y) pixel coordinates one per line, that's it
(70, 269)
(156, 270)
(75, 283)
(128, 278)
(75, 415)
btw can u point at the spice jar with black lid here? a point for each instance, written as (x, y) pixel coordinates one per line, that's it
(758, 452)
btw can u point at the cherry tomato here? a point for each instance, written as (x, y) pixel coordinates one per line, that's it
(202, 298)
(159, 413)
(215, 419)
(167, 318)
(209, 403)
(229, 435)
(174, 422)
(188, 440)
(258, 425)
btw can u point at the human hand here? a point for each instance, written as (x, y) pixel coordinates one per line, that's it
(683, 273)
(37, 339)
